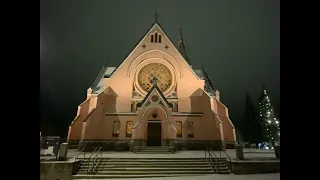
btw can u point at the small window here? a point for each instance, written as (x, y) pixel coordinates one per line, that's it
(159, 38)
(179, 128)
(156, 38)
(190, 130)
(116, 128)
(128, 129)
(152, 38)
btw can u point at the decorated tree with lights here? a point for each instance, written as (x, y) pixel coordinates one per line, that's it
(267, 116)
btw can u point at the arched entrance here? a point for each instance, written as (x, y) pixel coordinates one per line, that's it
(155, 129)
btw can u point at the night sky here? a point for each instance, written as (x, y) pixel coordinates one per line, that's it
(237, 40)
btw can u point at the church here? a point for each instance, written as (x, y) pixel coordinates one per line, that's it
(153, 98)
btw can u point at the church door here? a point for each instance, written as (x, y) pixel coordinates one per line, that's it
(154, 134)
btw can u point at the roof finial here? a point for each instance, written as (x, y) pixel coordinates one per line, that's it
(156, 16)
(181, 34)
(182, 47)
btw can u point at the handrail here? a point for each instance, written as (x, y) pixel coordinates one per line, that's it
(79, 153)
(94, 164)
(211, 159)
(231, 164)
(217, 160)
(84, 156)
(91, 156)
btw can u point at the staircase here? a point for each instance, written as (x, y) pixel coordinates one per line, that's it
(154, 150)
(149, 167)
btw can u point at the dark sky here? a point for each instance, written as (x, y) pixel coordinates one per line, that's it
(237, 40)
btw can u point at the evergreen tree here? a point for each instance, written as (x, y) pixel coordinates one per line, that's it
(252, 129)
(267, 116)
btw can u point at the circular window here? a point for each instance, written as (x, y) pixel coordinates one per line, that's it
(154, 115)
(154, 98)
(157, 70)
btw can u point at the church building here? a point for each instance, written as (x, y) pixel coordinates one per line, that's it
(153, 98)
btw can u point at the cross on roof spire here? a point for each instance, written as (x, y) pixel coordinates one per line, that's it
(156, 16)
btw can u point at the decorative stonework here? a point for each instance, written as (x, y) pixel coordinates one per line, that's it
(134, 105)
(160, 71)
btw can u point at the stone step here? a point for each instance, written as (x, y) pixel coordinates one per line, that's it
(149, 165)
(192, 168)
(150, 168)
(149, 172)
(153, 150)
(87, 177)
(153, 160)
(154, 147)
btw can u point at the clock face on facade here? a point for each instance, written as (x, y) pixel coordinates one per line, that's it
(160, 71)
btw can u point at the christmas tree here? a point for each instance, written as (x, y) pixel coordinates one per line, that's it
(252, 128)
(267, 116)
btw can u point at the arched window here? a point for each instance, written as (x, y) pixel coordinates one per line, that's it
(152, 38)
(179, 128)
(156, 38)
(128, 128)
(116, 128)
(190, 129)
(159, 38)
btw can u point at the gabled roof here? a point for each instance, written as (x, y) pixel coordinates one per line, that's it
(156, 89)
(154, 25)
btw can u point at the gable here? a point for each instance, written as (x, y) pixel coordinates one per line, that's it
(155, 38)
(154, 96)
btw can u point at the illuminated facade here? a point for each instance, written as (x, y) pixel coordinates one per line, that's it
(153, 98)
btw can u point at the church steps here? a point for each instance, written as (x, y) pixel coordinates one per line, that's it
(145, 167)
(151, 165)
(87, 177)
(150, 160)
(194, 168)
(150, 172)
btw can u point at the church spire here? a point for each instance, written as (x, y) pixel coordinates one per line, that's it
(182, 47)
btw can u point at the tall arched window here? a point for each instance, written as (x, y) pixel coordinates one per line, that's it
(190, 129)
(152, 38)
(179, 128)
(116, 128)
(156, 37)
(159, 38)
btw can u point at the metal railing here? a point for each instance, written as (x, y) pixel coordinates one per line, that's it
(212, 160)
(77, 157)
(96, 161)
(230, 161)
(93, 152)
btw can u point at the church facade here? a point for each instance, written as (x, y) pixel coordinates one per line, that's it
(154, 98)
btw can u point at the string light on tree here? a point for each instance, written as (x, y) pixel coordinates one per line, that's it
(266, 112)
